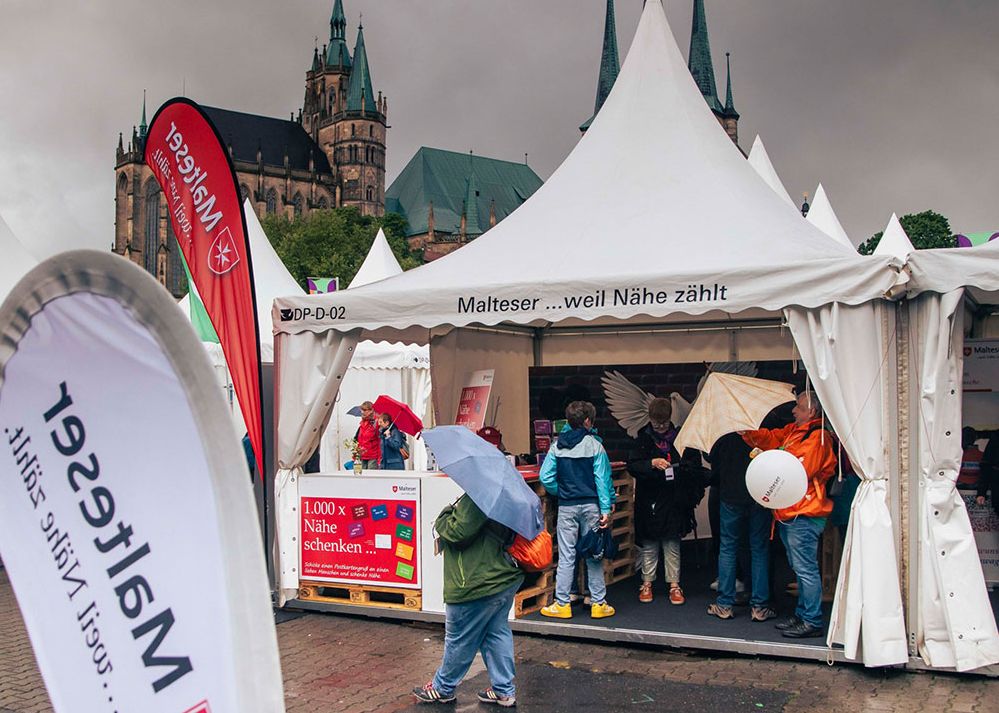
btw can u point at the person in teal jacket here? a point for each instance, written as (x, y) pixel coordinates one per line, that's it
(577, 471)
(480, 581)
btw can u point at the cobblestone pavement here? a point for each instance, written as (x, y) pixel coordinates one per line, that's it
(355, 664)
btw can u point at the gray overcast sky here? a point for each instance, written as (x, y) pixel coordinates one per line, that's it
(892, 104)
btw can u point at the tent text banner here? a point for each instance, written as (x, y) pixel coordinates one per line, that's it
(123, 544)
(193, 168)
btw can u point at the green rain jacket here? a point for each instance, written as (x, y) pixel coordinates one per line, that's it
(476, 564)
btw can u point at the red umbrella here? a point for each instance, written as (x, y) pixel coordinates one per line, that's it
(401, 414)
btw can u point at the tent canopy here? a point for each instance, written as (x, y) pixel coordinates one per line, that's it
(759, 159)
(823, 217)
(684, 225)
(17, 261)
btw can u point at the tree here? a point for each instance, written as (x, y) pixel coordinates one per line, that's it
(334, 243)
(926, 230)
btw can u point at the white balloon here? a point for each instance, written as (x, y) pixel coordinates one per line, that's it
(776, 479)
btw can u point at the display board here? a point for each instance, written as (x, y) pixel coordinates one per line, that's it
(361, 530)
(475, 399)
(985, 525)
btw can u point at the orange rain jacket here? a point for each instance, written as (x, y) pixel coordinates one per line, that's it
(815, 451)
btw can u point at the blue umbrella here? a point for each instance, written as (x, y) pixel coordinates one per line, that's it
(354, 411)
(485, 474)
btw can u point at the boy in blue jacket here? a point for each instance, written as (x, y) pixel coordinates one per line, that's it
(577, 471)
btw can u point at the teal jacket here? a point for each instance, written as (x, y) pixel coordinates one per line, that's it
(476, 564)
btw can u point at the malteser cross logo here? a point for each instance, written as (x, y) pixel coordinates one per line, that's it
(202, 707)
(223, 256)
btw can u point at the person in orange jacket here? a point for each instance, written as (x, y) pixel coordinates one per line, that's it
(801, 524)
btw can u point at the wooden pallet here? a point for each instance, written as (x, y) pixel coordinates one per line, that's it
(620, 568)
(534, 594)
(361, 595)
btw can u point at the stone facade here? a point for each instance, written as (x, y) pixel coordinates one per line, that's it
(332, 155)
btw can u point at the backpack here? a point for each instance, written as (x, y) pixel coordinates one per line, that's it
(532, 555)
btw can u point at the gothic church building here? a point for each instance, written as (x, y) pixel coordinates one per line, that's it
(331, 155)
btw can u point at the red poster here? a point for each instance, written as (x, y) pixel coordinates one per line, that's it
(361, 540)
(474, 400)
(193, 168)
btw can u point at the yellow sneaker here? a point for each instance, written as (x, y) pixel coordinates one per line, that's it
(601, 611)
(557, 611)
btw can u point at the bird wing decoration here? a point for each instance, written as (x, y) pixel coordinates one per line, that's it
(730, 403)
(681, 409)
(628, 403)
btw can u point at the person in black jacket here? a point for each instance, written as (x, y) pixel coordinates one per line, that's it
(988, 477)
(667, 490)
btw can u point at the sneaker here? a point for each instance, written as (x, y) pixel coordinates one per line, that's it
(802, 630)
(429, 694)
(762, 614)
(676, 595)
(787, 622)
(720, 611)
(490, 696)
(557, 611)
(645, 593)
(601, 611)
(714, 586)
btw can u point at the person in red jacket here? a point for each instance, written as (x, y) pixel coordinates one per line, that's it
(369, 441)
(801, 524)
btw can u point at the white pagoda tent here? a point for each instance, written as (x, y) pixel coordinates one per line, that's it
(16, 262)
(759, 159)
(683, 255)
(823, 217)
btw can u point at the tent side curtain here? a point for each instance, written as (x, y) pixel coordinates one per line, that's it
(848, 377)
(456, 353)
(955, 624)
(310, 368)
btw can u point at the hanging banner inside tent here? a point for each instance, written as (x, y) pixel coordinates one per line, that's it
(474, 399)
(193, 168)
(127, 525)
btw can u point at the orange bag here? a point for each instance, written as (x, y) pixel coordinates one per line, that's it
(532, 555)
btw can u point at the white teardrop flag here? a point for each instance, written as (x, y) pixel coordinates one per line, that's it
(127, 522)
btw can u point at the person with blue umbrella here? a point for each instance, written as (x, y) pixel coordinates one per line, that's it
(480, 577)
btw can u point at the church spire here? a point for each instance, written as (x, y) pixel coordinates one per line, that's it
(337, 53)
(610, 64)
(142, 124)
(360, 95)
(699, 60)
(729, 104)
(471, 213)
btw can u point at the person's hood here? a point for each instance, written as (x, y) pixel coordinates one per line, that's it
(570, 438)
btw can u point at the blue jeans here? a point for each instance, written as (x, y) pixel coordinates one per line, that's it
(733, 522)
(479, 625)
(801, 540)
(573, 521)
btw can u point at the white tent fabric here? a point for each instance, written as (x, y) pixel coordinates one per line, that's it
(823, 217)
(944, 270)
(16, 262)
(394, 369)
(868, 603)
(759, 159)
(271, 279)
(689, 228)
(894, 242)
(955, 626)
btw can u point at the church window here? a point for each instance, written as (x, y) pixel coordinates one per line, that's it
(176, 279)
(370, 193)
(151, 237)
(122, 183)
(323, 204)
(299, 205)
(332, 100)
(271, 200)
(371, 131)
(353, 130)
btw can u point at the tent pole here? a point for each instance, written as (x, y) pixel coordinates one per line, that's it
(905, 496)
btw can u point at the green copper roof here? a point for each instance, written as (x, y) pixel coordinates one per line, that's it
(729, 104)
(360, 95)
(448, 179)
(338, 54)
(699, 59)
(610, 64)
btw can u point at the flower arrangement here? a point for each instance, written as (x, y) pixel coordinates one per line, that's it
(352, 445)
